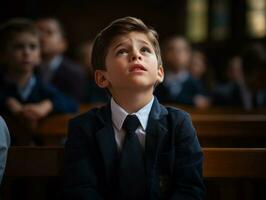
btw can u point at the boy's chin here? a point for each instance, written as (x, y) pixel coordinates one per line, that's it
(26, 68)
(140, 86)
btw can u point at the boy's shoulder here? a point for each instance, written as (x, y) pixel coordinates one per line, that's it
(91, 117)
(176, 115)
(176, 111)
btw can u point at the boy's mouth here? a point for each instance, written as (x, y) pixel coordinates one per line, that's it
(137, 67)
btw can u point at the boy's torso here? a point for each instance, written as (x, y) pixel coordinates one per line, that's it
(161, 147)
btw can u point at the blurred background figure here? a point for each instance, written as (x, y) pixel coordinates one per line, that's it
(92, 93)
(23, 96)
(83, 55)
(234, 91)
(4, 145)
(56, 68)
(179, 85)
(201, 70)
(245, 75)
(254, 67)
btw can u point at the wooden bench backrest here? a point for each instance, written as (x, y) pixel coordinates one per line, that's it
(206, 125)
(218, 163)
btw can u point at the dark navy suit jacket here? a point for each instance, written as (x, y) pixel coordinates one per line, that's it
(40, 92)
(70, 79)
(173, 156)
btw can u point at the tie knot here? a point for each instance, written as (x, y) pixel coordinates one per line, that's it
(131, 123)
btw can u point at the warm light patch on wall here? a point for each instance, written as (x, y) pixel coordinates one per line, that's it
(256, 18)
(197, 20)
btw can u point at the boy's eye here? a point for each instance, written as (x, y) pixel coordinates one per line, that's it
(122, 52)
(145, 49)
(24, 46)
(33, 46)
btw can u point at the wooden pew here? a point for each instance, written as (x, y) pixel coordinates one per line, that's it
(212, 130)
(216, 127)
(226, 171)
(218, 163)
(231, 130)
(34, 161)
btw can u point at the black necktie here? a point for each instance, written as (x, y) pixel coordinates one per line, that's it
(132, 178)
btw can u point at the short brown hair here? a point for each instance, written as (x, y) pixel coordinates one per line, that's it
(57, 22)
(121, 26)
(13, 27)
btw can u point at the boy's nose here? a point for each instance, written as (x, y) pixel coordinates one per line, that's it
(136, 56)
(27, 51)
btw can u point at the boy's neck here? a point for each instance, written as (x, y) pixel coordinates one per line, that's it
(19, 78)
(132, 102)
(48, 58)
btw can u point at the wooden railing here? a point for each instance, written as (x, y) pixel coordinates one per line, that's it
(229, 173)
(211, 129)
(218, 162)
(215, 127)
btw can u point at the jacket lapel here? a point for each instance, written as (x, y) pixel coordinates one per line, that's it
(107, 144)
(155, 132)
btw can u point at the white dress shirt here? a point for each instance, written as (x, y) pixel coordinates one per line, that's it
(48, 70)
(26, 90)
(118, 117)
(175, 82)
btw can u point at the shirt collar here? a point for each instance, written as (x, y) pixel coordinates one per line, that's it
(26, 90)
(55, 63)
(181, 76)
(119, 114)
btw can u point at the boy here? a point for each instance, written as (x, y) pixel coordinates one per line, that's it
(4, 145)
(22, 94)
(108, 158)
(61, 72)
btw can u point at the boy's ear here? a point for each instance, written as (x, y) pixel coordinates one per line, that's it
(100, 79)
(63, 45)
(160, 75)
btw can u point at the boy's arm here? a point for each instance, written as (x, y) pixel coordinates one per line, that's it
(61, 103)
(36, 111)
(187, 172)
(13, 105)
(80, 180)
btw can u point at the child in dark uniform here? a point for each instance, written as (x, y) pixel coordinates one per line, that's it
(133, 148)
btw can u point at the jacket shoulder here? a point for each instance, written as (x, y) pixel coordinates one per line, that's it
(176, 111)
(177, 115)
(88, 118)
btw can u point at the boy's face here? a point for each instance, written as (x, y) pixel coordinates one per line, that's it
(52, 41)
(23, 52)
(131, 64)
(177, 54)
(197, 66)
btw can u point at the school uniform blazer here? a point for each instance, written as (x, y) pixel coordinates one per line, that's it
(70, 79)
(40, 92)
(173, 156)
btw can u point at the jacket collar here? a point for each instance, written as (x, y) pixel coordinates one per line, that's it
(156, 130)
